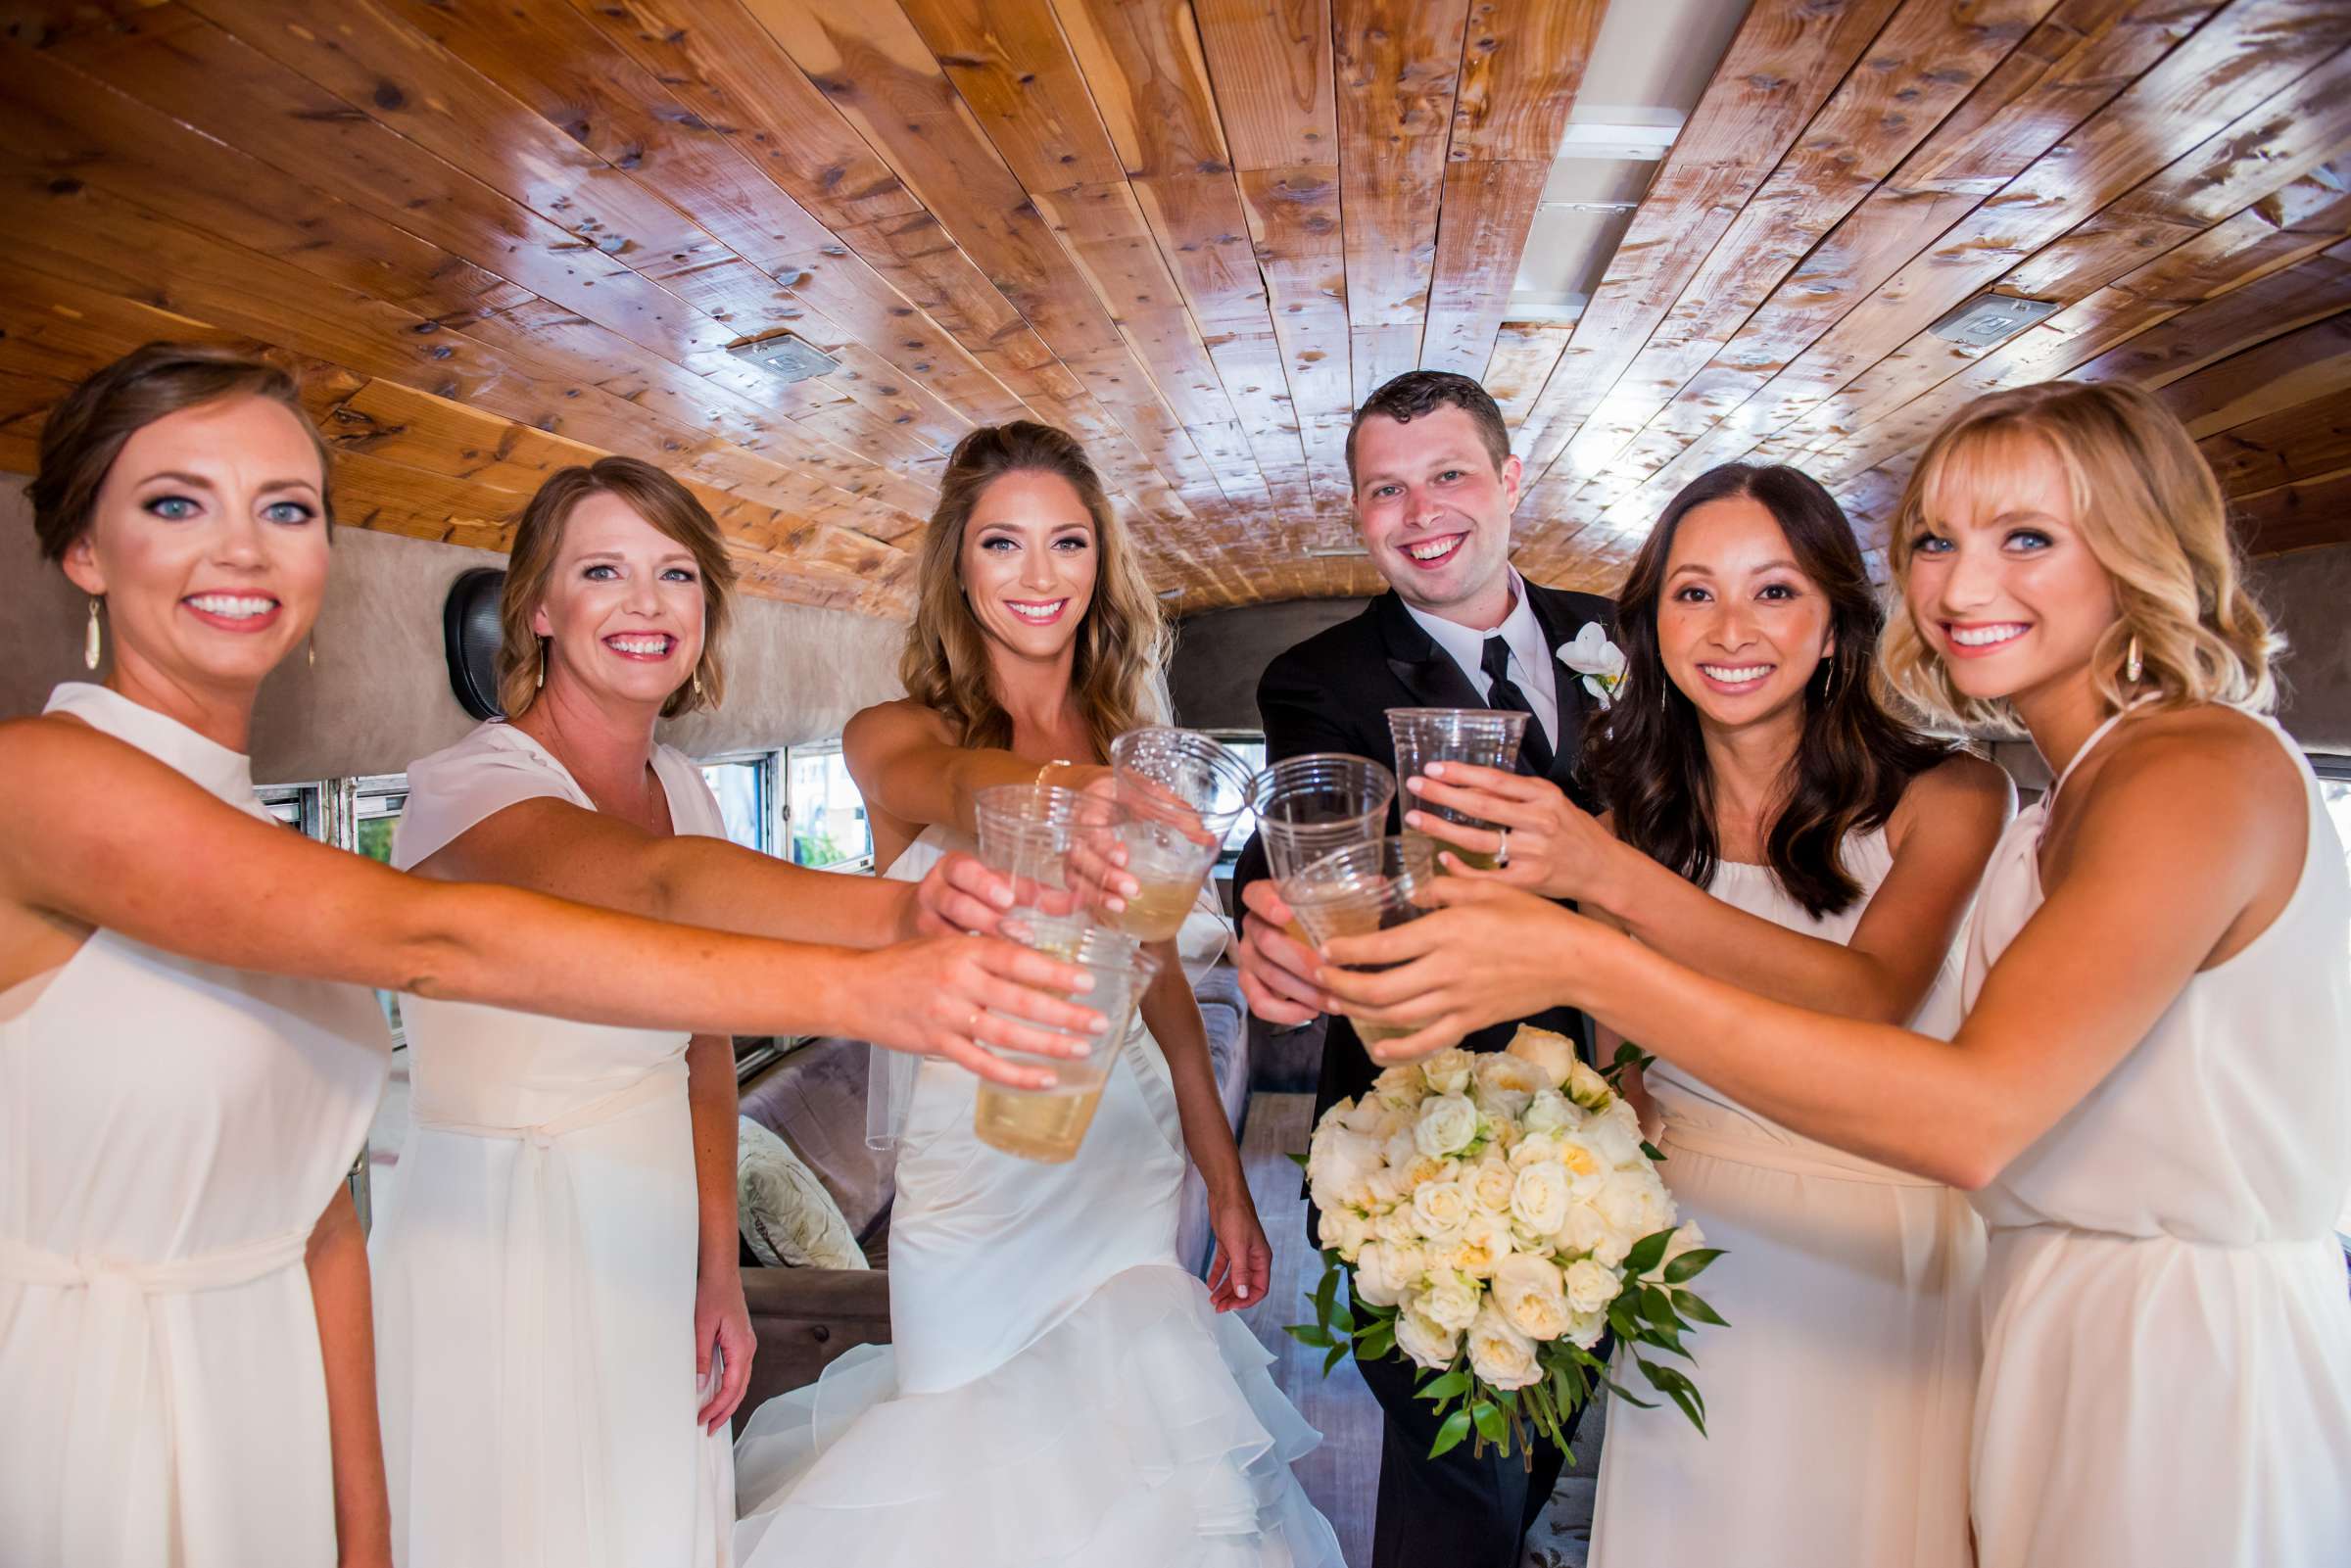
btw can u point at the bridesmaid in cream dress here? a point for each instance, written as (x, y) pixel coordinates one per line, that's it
(1059, 1388)
(189, 1055)
(565, 1233)
(1775, 828)
(2150, 1088)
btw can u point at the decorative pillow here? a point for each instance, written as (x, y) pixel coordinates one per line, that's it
(788, 1219)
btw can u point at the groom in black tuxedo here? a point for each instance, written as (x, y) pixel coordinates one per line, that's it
(1435, 485)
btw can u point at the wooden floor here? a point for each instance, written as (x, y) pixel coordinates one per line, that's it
(1342, 1476)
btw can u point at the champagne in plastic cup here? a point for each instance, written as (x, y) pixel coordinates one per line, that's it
(1028, 833)
(1486, 737)
(1311, 805)
(1182, 791)
(1363, 888)
(1047, 1126)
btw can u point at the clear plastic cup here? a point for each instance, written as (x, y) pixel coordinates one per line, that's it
(1027, 832)
(1363, 888)
(1182, 791)
(1047, 1126)
(1311, 805)
(1486, 737)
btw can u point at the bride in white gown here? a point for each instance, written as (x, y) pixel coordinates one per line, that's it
(1060, 1389)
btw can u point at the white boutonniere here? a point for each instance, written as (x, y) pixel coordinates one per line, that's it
(1597, 660)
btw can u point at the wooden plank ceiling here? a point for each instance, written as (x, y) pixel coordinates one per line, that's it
(491, 239)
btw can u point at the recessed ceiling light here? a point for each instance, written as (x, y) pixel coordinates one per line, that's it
(786, 357)
(1327, 551)
(1990, 318)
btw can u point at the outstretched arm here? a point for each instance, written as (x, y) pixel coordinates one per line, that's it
(906, 764)
(94, 832)
(554, 847)
(1942, 835)
(2185, 848)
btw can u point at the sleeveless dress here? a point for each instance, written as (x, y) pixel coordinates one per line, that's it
(169, 1133)
(1059, 1391)
(535, 1269)
(2167, 1362)
(1838, 1401)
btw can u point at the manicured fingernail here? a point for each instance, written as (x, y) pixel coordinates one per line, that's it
(1436, 770)
(1001, 897)
(1085, 982)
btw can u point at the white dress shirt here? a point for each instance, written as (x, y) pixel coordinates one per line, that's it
(1531, 668)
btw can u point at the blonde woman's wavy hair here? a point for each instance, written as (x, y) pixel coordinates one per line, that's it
(660, 500)
(1119, 671)
(2147, 505)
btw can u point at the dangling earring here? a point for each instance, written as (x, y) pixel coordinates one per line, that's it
(94, 643)
(312, 657)
(542, 681)
(1828, 676)
(2131, 666)
(698, 682)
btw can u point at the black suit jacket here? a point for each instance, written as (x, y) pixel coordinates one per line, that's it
(1332, 692)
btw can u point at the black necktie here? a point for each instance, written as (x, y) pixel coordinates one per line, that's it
(1534, 752)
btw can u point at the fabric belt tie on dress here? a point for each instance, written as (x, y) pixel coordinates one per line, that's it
(124, 1365)
(1798, 1160)
(546, 1272)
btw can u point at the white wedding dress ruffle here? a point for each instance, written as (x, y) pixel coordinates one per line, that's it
(1058, 1389)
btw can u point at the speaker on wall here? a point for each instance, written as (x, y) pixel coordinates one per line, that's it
(470, 637)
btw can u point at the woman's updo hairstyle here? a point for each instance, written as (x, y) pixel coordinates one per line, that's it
(87, 430)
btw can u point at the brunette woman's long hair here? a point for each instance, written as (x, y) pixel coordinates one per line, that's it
(1647, 764)
(1121, 653)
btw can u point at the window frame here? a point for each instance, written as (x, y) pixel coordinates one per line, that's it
(855, 864)
(1227, 858)
(773, 825)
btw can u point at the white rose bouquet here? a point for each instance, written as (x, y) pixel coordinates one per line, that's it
(1494, 1217)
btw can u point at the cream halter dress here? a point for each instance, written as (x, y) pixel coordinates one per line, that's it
(535, 1269)
(169, 1133)
(1838, 1401)
(2167, 1360)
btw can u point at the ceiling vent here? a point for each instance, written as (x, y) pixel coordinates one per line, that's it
(1990, 318)
(1334, 551)
(786, 357)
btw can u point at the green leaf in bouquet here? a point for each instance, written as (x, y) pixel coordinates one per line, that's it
(1452, 1435)
(1646, 1252)
(1656, 1155)
(1491, 1424)
(1657, 1307)
(1299, 1160)
(1691, 1264)
(1338, 1354)
(1693, 1306)
(1326, 1296)
(1308, 1334)
(1444, 1387)
(1679, 1389)
(1624, 1316)
(1375, 1341)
